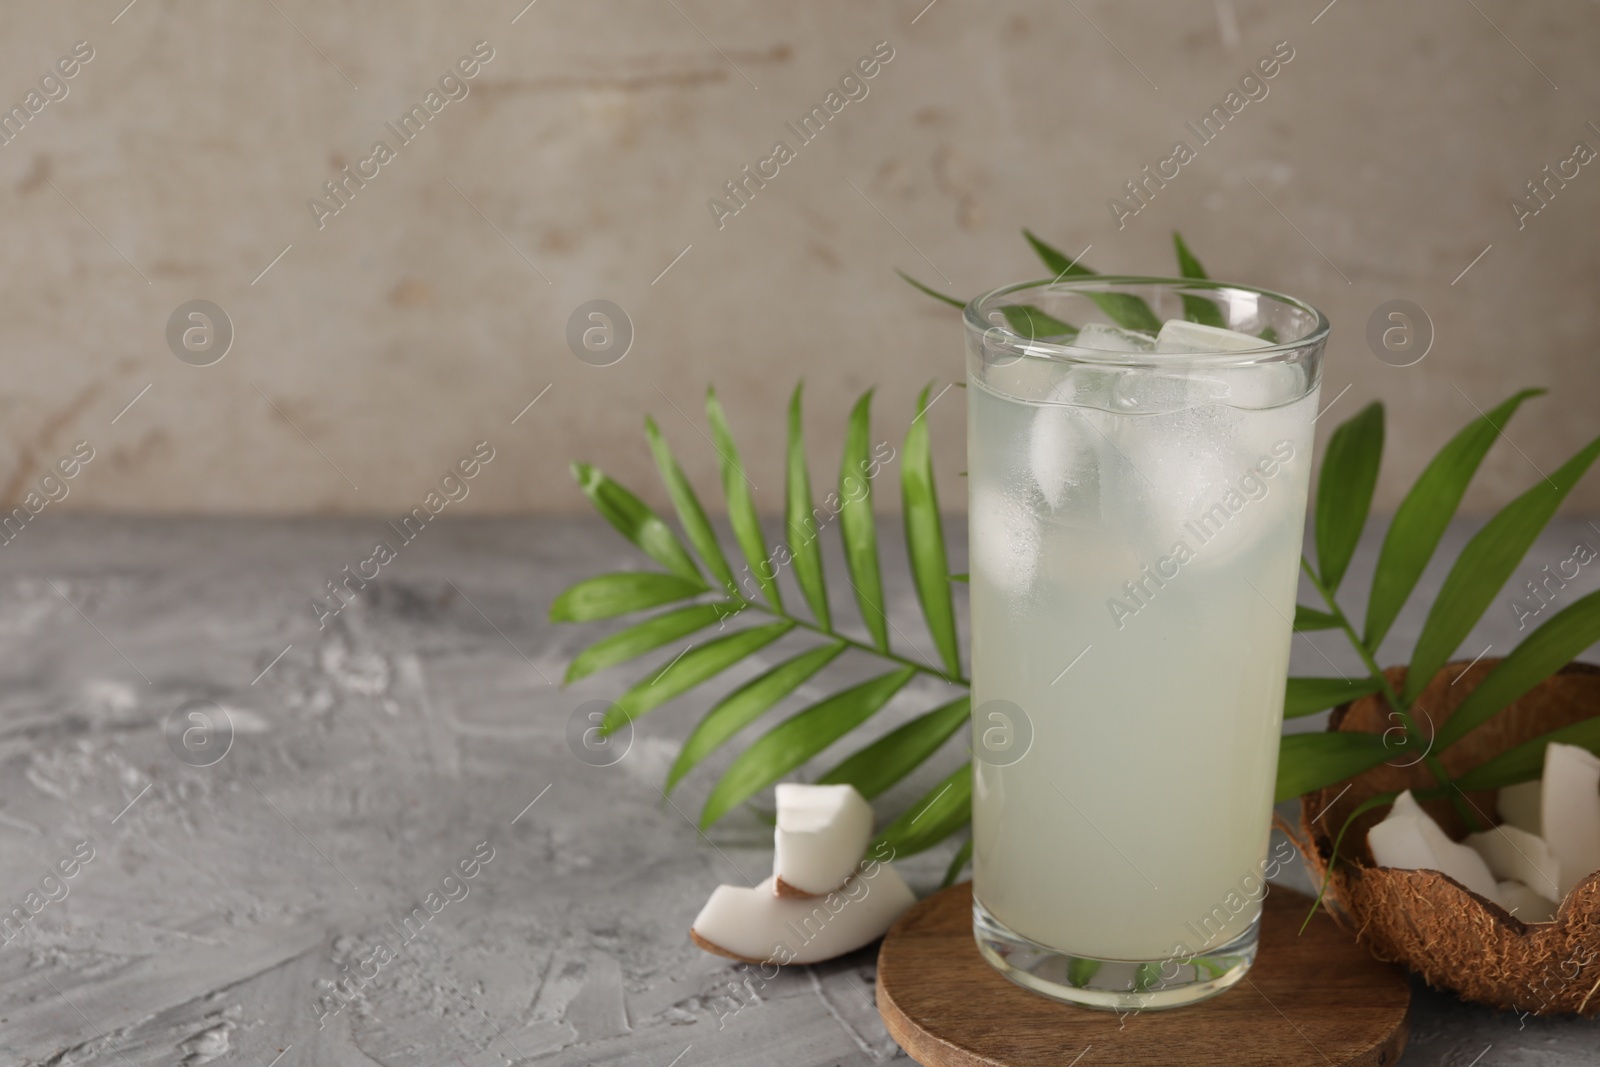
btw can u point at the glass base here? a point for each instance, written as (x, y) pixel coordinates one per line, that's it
(1112, 985)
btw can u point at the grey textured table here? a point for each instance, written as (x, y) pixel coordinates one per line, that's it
(368, 761)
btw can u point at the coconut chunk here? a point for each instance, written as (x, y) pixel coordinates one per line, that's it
(1524, 903)
(1516, 854)
(822, 832)
(1519, 805)
(758, 926)
(1409, 839)
(1570, 811)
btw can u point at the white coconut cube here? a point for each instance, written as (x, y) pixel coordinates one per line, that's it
(1513, 853)
(1524, 903)
(1570, 811)
(1519, 805)
(822, 832)
(757, 926)
(1409, 839)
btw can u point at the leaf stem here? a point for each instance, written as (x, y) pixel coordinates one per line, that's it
(1401, 709)
(834, 635)
(1377, 673)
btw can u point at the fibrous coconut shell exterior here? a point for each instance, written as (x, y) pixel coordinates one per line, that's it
(1453, 938)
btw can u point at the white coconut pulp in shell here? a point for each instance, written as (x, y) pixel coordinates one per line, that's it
(1570, 811)
(1513, 853)
(822, 832)
(1519, 805)
(757, 926)
(1524, 903)
(1409, 839)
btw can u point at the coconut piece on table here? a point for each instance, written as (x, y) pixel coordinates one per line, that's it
(758, 926)
(822, 832)
(1524, 903)
(1570, 811)
(1516, 854)
(1409, 839)
(1519, 805)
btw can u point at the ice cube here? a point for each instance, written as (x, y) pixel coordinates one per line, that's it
(1169, 468)
(1055, 450)
(1103, 338)
(1262, 386)
(1005, 542)
(1027, 378)
(1178, 335)
(1145, 392)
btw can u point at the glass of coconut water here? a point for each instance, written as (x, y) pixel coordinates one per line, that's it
(1139, 452)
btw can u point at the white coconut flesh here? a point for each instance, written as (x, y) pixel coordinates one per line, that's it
(822, 832)
(1524, 903)
(1548, 840)
(1519, 805)
(1570, 811)
(1409, 839)
(1515, 854)
(757, 926)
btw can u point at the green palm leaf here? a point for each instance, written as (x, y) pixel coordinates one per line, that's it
(1124, 309)
(641, 638)
(1484, 566)
(957, 862)
(1344, 491)
(690, 514)
(952, 301)
(1025, 319)
(798, 738)
(804, 546)
(1028, 321)
(925, 539)
(1307, 696)
(1307, 619)
(1377, 800)
(1188, 265)
(1307, 761)
(1541, 654)
(741, 508)
(635, 521)
(857, 527)
(942, 811)
(1195, 308)
(1059, 263)
(1314, 760)
(746, 704)
(608, 595)
(1526, 761)
(1422, 517)
(691, 667)
(881, 764)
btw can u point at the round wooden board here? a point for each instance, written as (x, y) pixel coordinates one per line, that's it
(1315, 998)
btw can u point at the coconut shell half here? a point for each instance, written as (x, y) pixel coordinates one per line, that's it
(1452, 937)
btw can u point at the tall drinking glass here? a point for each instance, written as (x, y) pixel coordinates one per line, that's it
(1139, 451)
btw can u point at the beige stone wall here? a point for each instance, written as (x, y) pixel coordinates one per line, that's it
(425, 314)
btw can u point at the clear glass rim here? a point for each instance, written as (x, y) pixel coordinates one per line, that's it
(1008, 339)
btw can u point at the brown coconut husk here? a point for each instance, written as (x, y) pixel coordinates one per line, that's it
(1452, 937)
